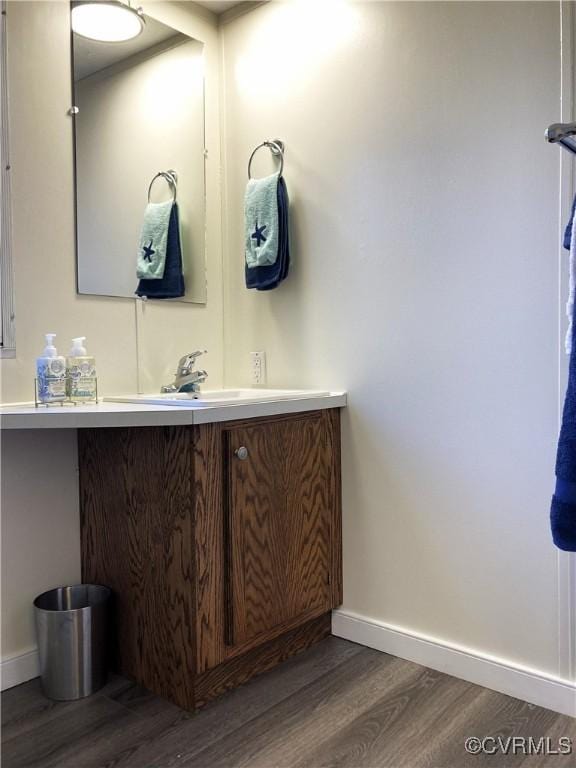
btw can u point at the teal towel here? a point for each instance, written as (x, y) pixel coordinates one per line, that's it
(153, 240)
(261, 221)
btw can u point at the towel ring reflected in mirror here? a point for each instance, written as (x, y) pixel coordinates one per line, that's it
(171, 177)
(276, 147)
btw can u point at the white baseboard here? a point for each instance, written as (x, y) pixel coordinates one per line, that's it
(498, 674)
(19, 669)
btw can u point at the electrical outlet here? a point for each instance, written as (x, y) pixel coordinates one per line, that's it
(258, 368)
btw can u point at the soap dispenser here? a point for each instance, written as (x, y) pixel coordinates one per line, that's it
(51, 373)
(81, 372)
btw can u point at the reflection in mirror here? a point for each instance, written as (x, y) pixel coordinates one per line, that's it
(140, 111)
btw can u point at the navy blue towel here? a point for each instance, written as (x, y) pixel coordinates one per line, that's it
(171, 286)
(568, 230)
(268, 277)
(563, 510)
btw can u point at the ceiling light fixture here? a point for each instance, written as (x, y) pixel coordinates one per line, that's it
(108, 21)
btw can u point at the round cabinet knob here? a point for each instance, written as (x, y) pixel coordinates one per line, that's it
(241, 453)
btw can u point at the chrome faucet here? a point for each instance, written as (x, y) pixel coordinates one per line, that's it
(185, 378)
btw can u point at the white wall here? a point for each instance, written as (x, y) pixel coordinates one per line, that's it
(40, 533)
(46, 299)
(425, 282)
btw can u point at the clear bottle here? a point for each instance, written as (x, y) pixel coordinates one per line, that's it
(51, 373)
(81, 372)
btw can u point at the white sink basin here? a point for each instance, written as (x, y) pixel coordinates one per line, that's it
(218, 397)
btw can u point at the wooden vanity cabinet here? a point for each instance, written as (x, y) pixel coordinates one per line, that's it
(221, 542)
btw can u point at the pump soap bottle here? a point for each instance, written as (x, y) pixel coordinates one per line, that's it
(81, 372)
(51, 373)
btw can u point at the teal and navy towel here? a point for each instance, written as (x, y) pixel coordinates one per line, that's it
(267, 251)
(153, 241)
(563, 510)
(261, 221)
(170, 285)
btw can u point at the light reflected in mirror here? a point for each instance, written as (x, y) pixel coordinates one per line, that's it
(140, 111)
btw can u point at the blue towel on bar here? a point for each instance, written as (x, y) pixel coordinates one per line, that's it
(265, 278)
(568, 230)
(171, 285)
(563, 509)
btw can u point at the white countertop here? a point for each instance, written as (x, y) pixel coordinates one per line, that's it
(107, 414)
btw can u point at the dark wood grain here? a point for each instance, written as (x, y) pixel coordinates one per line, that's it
(279, 513)
(135, 489)
(260, 659)
(208, 559)
(337, 704)
(208, 503)
(333, 452)
(302, 592)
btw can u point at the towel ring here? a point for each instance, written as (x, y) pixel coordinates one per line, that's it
(276, 147)
(171, 177)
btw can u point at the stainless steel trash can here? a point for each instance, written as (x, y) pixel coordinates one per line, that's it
(71, 624)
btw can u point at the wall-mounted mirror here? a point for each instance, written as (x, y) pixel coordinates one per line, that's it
(139, 110)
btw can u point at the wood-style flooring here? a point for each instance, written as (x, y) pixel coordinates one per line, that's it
(338, 704)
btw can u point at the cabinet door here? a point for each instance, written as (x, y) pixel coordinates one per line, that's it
(279, 525)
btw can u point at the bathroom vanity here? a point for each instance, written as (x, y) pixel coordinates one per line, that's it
(217, 528)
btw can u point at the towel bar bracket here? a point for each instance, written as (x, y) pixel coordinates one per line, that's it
(276, 147)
